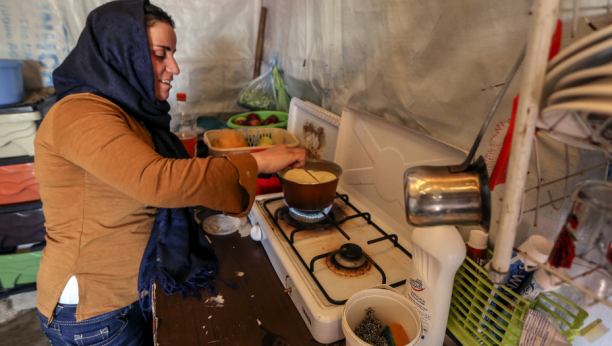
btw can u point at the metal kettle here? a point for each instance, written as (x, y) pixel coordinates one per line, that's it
(453, 195)
(435, 195)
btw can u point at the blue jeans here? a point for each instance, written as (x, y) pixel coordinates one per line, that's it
(125, 326)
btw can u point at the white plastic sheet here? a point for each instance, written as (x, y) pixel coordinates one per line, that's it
(215, 49)
(434, 66)
(32, 30)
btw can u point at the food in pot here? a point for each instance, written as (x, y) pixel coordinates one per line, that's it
(230, 139)
(301, 176)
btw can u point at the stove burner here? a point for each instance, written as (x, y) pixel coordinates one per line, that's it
(350, 256)
(349, 261)
(309, 217)
(288, 215)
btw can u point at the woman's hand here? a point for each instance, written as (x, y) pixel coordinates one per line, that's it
(279, 157)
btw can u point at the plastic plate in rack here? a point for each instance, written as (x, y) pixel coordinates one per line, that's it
(584, 76)
(221, 224)
(582, 123)
(585, 42)
(599, 88)
(593, 56)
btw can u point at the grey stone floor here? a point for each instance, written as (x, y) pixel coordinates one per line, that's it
(24, 330)
(19, 325)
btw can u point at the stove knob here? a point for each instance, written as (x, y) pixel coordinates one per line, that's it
(256, 232)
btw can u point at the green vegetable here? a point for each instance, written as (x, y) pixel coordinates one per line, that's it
(282, 96)
(253, 99)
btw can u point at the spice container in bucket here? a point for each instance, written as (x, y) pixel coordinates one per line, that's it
(390, 307)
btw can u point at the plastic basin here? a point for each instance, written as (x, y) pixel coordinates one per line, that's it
(11, 88)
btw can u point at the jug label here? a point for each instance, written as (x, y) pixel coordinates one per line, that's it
(420, 294)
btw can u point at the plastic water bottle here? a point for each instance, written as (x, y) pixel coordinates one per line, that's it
(183, 116)
(183, 123)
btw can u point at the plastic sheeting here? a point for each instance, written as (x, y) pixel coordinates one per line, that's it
(31, 30)
(215, 48)
(431, 66)
(434, 66)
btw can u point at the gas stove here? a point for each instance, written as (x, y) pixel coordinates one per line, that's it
(362, 240)
(324, 262)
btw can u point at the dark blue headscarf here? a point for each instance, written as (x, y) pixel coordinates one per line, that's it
(112, 60)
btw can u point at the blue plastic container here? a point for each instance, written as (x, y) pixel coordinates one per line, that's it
(11, 87)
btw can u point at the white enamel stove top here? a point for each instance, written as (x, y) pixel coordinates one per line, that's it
(320, 294)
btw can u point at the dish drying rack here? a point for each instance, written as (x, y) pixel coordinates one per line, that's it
(475, 288)
(543, 22)
(473, 319)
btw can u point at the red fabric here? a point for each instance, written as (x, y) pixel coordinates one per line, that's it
(555, 43)
(266, 186)
(501, 166)
(18, 184)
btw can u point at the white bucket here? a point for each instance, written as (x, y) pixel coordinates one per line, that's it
(389, 305)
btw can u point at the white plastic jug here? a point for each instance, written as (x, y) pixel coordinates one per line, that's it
(437, 253)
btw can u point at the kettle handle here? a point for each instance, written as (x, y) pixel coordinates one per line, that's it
(468, 160)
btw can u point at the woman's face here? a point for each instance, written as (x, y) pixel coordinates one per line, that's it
(162, 42)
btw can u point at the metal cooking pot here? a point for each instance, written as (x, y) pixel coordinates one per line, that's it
(453, 195)
(311, 197)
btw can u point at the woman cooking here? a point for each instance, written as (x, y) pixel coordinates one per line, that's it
(106, 162)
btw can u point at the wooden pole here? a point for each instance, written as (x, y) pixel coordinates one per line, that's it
(260, 42)
(543, 18)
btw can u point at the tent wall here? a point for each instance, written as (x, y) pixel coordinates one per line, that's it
(433, 66)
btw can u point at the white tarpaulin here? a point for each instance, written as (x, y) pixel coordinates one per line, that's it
(31, 30)
(434, 66)
(216, 42)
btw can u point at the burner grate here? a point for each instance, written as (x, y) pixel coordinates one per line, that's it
(331, 222)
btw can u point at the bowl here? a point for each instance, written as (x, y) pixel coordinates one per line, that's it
(263, 115)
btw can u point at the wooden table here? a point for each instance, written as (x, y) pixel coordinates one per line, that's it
(260, 298)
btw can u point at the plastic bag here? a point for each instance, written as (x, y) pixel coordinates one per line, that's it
(266, 92)
(259, 94)
(282, 98)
